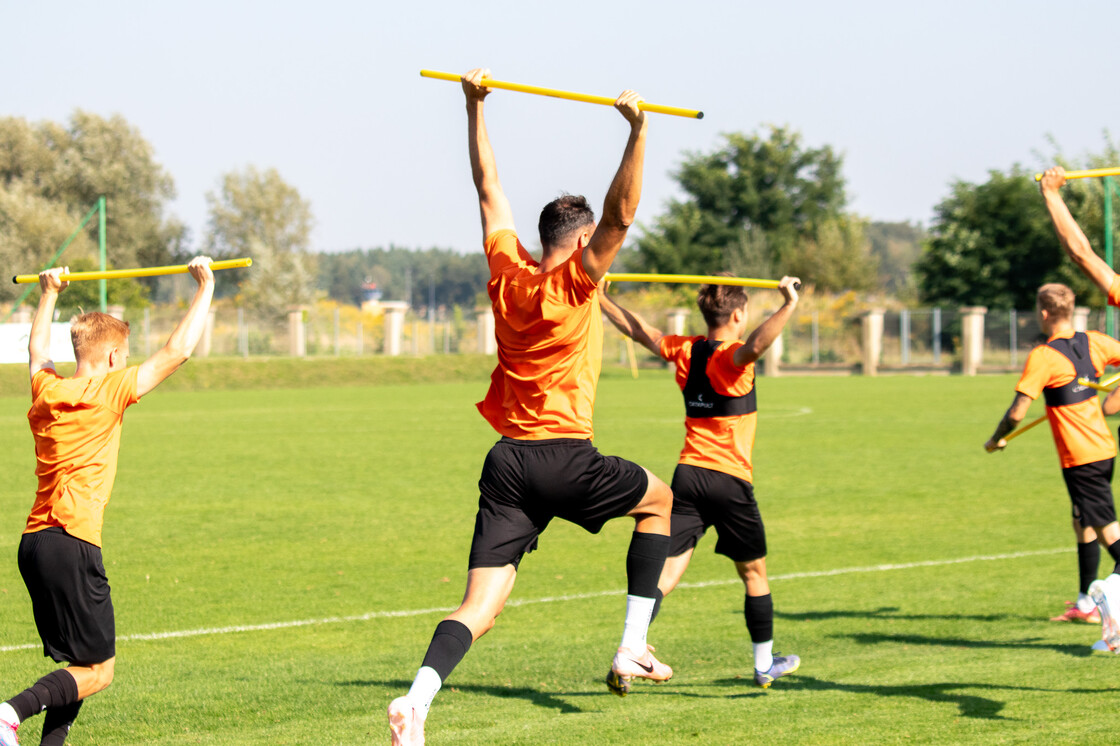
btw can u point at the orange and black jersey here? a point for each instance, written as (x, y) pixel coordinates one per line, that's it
(1076, 421)
(722, 442)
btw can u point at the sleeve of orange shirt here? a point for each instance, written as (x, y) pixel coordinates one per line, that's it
(40, 380)
(120, 388)
(726, 377)
(504, 249)
(1114, 292)
(1104, 350)
(1036, 373)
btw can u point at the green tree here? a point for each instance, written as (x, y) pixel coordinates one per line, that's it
(259, 215)
(51, 174)
(763, 204)
(897, 246)
(992, 244)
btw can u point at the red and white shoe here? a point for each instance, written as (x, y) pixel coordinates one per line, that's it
(8, 733)
(629, 665)
(405, 723)
(1074, 614)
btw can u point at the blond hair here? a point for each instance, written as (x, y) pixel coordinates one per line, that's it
(94, 333)
(1057, 300)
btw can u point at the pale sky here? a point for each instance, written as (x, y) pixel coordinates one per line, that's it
(914, 95)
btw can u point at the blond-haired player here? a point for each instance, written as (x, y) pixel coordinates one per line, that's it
(1085, 446)
(77, 422)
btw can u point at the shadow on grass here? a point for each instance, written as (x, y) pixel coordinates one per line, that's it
(867, 638)
(969, 705)
(551, 700)
(888, 613)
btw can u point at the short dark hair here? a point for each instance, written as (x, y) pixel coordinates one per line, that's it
(562, 216)
(718, 302)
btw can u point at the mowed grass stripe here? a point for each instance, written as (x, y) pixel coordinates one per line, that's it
(153, 636)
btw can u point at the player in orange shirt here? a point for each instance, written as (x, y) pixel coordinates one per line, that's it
(713, 481)
(77, 422)
(542, 393)
(1085, 446)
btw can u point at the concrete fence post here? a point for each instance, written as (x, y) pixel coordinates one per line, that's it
(394, 325)
(297, 334)
(487, 342)
(972, 339)
(872, 327)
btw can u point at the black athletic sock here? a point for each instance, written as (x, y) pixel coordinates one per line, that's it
(57, 722)
(759, 613)
(1088, 560)
(644, 561)
(656, 605)
(449, 644)
(56, 689)
(1114, 552)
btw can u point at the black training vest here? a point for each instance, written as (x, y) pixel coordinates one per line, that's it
(700, 399)
(1076, 350)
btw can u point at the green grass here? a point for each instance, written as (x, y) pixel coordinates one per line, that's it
(337, 505)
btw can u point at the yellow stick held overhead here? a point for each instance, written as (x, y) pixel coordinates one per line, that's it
(746, 282)
(118, 274)
(568, 95)
(1089, 174)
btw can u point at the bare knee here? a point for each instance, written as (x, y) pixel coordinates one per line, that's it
(103, 674)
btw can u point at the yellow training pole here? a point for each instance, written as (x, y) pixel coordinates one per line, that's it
(1089, 174)
(117, 274)
(632, 356)
(1105, 385)
(568, 95)
(1012, 435)
(746, 282)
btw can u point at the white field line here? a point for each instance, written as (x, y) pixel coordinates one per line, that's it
(144, 637)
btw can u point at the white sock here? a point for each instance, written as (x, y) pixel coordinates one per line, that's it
(424, 688)
(639, 609)
(8, 714)
(763, 655)
(1085, 603)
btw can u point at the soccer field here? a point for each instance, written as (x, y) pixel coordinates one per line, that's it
(279, 560)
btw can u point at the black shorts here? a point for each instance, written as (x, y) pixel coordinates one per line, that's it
(1090, 491)
(703, 498)
(69, 596)
(527, 483)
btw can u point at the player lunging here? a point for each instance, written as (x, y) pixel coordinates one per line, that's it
(713, 481)
(542, 393)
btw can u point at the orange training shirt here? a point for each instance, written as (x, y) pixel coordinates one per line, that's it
(1079, 430)
(550, 345)
(717, 443)
(77, 427)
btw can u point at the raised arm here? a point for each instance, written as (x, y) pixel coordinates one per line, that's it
(179, 346)
(492, 203)
(764, 335)
(621, 203)
(1073, 239)
(39, 341)
(630, 324)
(1015, 414)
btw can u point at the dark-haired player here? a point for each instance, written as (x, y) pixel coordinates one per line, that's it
(713, 481)
(542, 393)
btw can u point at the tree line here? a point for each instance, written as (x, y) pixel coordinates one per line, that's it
(760, 204)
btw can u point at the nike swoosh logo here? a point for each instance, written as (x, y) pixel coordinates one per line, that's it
(647, 669)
